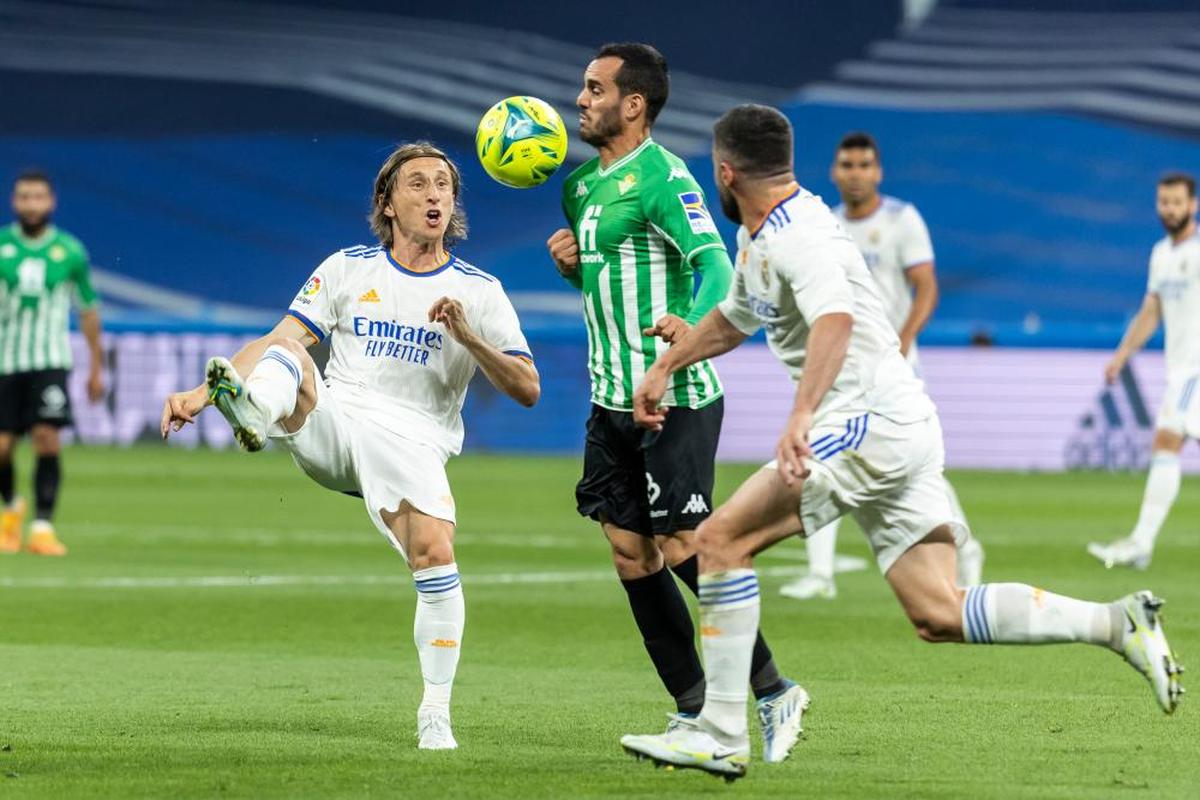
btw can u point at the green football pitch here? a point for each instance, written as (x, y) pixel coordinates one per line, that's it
(225, 628)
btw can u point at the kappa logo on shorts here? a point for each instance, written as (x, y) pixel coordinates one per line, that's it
(696, 505)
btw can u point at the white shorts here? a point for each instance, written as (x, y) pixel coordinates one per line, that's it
(887, 476)
(355, 455)
(1180, 410)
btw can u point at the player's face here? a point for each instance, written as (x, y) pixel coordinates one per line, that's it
(1175, 208)
(857, 174)
(599, 102)
(422, 200)
(32, 203)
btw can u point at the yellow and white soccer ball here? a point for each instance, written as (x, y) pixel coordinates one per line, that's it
(521, 141)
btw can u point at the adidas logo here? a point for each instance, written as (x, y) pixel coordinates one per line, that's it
(696, 505)
(370, 297)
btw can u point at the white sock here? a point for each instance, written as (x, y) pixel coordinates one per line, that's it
(729, 609)
(1162, 487)
(438, 629)
(821, 547)
(1015, 613)
(274, 382)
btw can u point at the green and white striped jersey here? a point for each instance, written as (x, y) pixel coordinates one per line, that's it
(37, 279)
(639, 222)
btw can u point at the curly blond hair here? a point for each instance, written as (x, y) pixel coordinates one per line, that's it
(381, 223)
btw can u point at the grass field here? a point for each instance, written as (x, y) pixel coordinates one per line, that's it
(224, 628)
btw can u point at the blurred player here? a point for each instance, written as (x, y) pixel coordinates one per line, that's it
(408, 324)
(1172, 296)
(895, 244)
(863, 438)
(639, 233)
(41, 269)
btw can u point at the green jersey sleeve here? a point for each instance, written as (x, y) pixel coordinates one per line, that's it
(675, 206)
(81, 276)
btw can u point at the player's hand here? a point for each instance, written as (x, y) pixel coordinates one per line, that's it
(451, 313)
(793, 447)
(181, 408)
(670, 329)
(647, 411)
(906, 343)
(565, 251)
(1112, 370)
(95, 385)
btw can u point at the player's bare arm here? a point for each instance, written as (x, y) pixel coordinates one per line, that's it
(828, 342)
(713, 336)
(1139, 332)
(564, 250)
(923, 280)
(181, 408)
(513, 375)
(89, 323)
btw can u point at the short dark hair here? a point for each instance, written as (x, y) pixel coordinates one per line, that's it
(643, 71)
(859, 140)
(757, 139)
(1176, 178)
(34, 176)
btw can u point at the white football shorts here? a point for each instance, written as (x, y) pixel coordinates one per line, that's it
(1180, 410)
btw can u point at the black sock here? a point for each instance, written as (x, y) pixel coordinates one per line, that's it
(764, 676)
(46, 477)
(666, 625)
(6, 482)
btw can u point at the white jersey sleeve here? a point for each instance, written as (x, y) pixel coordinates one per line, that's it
(315, 306)
(818, 279)
(499, 326)
(912, 239)
(736, 306)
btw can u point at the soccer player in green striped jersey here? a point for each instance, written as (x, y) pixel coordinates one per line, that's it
(41, 268)
(639, 235)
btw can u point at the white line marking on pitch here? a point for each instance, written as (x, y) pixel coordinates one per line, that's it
(263, 581)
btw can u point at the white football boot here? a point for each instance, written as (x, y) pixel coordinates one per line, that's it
(433, 729)
(1121, 553)
(1145, 647)
(688, 745)
(810, 586)
(227, 392)
(779, 718)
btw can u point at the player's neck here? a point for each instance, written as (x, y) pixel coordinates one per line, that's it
(758, 204)
(864, 209)
(621, 145)
(35, 232)
(418, 255)
(1186, 233)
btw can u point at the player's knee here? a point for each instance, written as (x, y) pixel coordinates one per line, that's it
(716, 535)
(45, 440)
(677, 549)
(432, 554)
(632, 563)
(292, 346)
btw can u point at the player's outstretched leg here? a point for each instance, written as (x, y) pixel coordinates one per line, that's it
(267, 395)
(818, 583)
(1162, 487)
(1015, 613)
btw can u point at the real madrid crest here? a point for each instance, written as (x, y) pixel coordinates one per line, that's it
(873, 236)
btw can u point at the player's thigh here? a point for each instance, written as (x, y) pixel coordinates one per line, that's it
(923, 578)
(762, 511)
(1179, 414)
(614, 487)
(47, 404)
(45, 439)
(12, 414)
(322, 446)
(680, 467)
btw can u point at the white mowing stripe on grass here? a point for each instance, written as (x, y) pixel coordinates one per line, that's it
(266, 581)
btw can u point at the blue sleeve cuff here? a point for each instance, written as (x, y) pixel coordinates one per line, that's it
(307, 323)
(519, 354)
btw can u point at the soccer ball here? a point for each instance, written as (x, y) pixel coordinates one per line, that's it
(521, 141)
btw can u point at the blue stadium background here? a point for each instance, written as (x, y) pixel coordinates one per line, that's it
(210, 154)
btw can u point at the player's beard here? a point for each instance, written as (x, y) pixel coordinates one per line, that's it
(606, 127)
(33, 226)
(1175, 228)
(729, 206)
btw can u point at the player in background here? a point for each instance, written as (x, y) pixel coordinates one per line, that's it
(895, 244)
(863, 438)
(41, 269)
(1173, 298)
(408, 324)
(639, 234)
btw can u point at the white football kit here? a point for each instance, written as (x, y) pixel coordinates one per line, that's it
(893, 240)
(388, 412)
(1175, 278)
(876, 440)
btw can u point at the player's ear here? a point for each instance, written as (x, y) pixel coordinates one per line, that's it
(388, 211)
(725, 171)
(634, 104)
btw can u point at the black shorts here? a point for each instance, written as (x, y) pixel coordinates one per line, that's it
(31, 398)
(646, 481)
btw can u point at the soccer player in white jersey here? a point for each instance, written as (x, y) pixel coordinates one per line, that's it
(863, 438)
(1172, 297)
(408, 324)
(895, 244)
